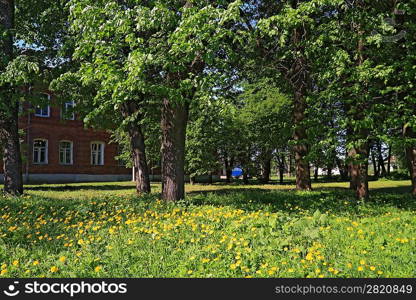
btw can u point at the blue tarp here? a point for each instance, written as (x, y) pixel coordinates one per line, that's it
(236, 172)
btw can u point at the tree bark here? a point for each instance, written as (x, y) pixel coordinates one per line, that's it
(315, 174)
(138, 148)
(343, 168)
(210, 179)
(9, 131)
(173, 124)
(299, 81)
(281, 162)
(266, 169)
(409, 133)
(389, 161)
(245, 176)
(142, 178)
(381, 167)
(373, 159)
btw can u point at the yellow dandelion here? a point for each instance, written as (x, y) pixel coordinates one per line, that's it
(54, 269)
(15, 263)
(372, 268)
(36, 262)
(62, 259)
(360, 268)
(362, 262)
(97, 268)
(4, 271)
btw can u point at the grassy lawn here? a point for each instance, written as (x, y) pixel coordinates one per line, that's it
(104, 230)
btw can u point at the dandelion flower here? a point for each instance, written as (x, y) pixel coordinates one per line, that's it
(54, 269)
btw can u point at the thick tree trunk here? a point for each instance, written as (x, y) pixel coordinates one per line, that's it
(299, 81)
(281, 168)
(352, 169)
(9, 132)
(13, 180)
(266, 169)
(316, 174)
(303, 181)
(173, 124)
(141, 169)
(245, 176)
(138, 148)
(359, 170)
(409, 133)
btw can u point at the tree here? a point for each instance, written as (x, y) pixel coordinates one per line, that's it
(32, 33)
(265, 115)
(287, 37)
(9, 107)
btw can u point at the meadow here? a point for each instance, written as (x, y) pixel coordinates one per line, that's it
(105, 230)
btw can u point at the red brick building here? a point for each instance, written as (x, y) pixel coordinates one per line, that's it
(57, 147)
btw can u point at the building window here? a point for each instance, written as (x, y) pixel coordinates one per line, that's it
(65, 153)
(97, 153)
(43, 110)
(40, 151)
(68, 111)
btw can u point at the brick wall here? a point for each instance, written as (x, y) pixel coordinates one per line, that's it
(55, 129)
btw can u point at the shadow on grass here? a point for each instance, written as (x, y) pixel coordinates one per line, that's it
(326, 199)
(63, 188)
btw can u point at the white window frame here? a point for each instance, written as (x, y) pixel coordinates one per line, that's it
(46, 152)
(63, 113)
(49, 108)
(71, 158)
(102, 153)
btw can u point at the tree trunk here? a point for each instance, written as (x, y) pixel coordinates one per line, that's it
(265, 178)
(343, 169)
(192, 180)
(316, 174)
(352, 170)
(13, 180)
(373, 158)
(142, 178)
(173, 124)
(329, 172)
(389, 161)
(210, 179)
(245, 176)
(9, 132)
(411, 155)
(359, 169)
(138, 148)
(381, 167)
(299, 82)
(281, 168)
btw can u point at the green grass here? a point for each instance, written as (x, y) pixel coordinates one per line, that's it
(104, 230)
